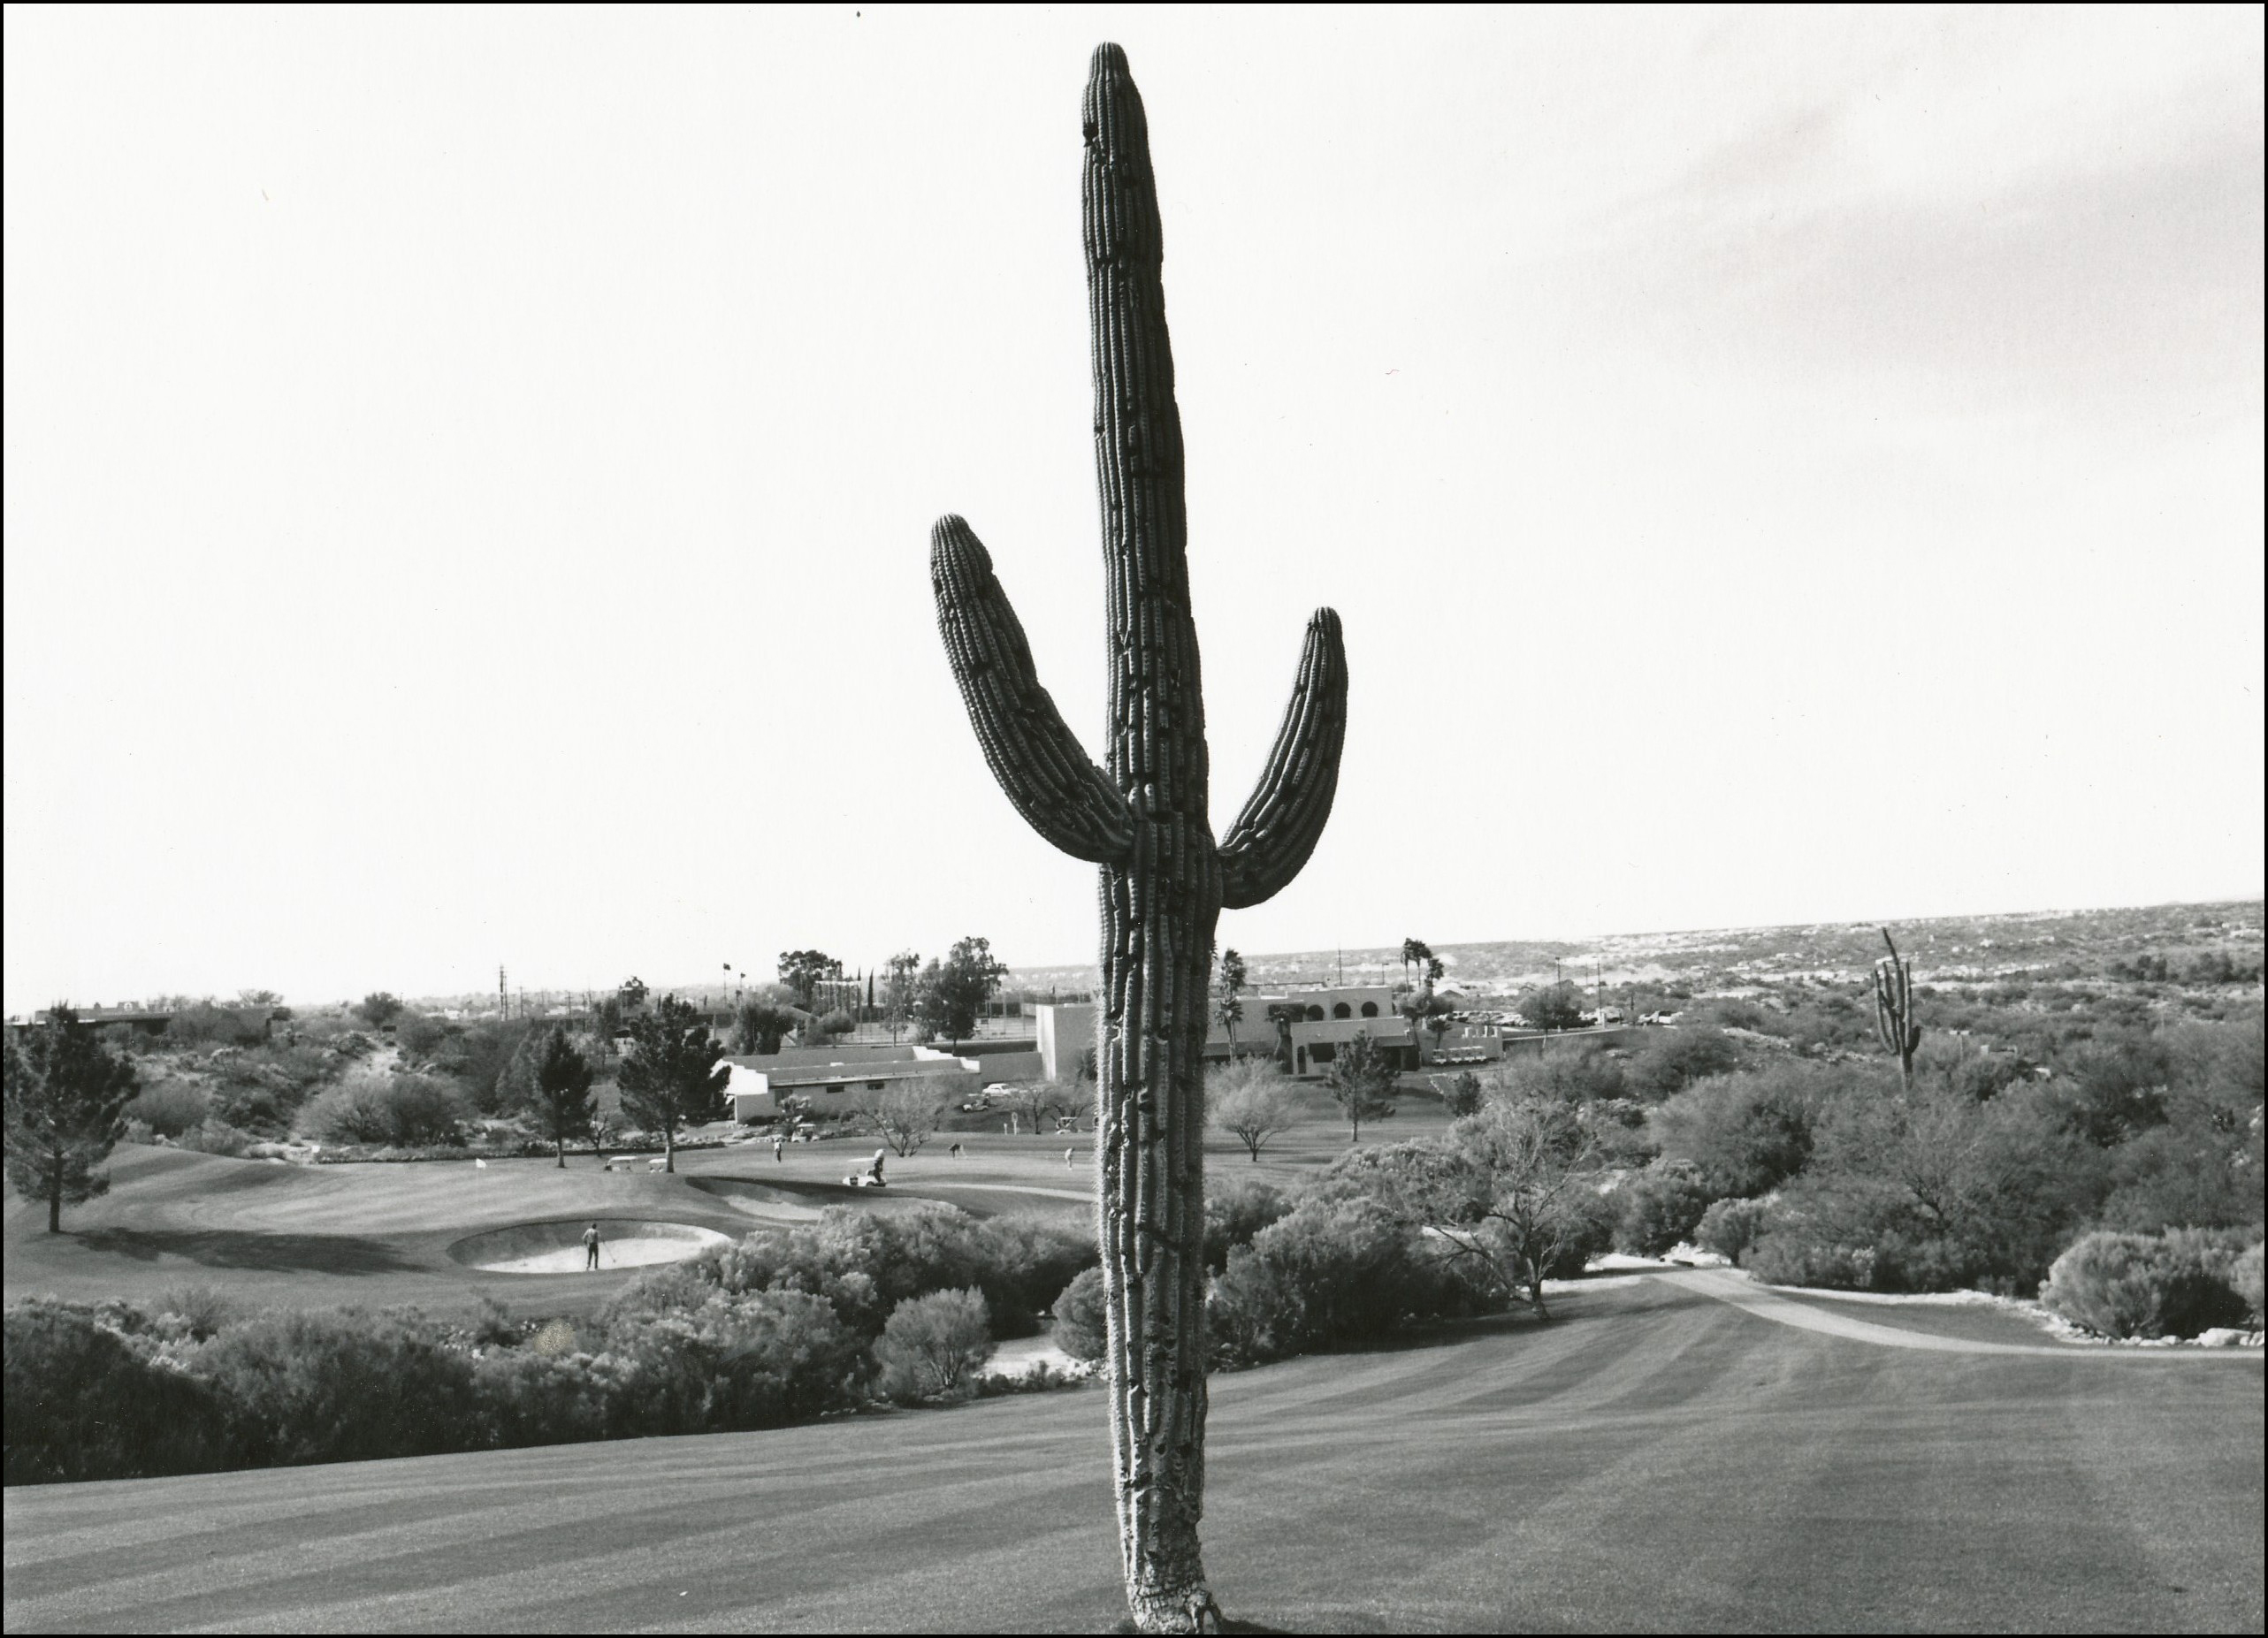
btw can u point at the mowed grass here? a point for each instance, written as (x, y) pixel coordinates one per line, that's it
(1655, 1459)
(378, 1235)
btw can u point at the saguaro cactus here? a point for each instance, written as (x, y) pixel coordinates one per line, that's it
(1894, 1010)
(1143, 818)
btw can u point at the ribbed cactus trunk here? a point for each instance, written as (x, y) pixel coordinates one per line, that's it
(1894, 1010)
(1143, 818)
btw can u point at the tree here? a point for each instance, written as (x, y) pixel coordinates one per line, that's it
(906, 1113)
(513, 1088)
(563, 1091)
(761, 1026)
(801, 970)
(380, 1008)
(1514, 1189)
(1463, 1095)
(1038, 1101)
(258, 998)
(901, 991)
(1253, 1099)
(953, 992)
(1551, 1006)
(1230, 1007)
(670, 1075)
(1414, 954)
(65, 1096)
(633, 993)
(932, 1347)
(1361, 1082)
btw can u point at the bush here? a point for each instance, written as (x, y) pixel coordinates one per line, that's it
(1729, 1227)
(1081, 1325)
(1462, 1096)
(202, 1311)
(83, 1403)
(866, 1265)
(1335, 1270)
(2244, 1278)
(1659, 1207)
(1674, 1059)
(934, 1347)
(216, 1136)
(2174, 1285)
(1236, 1211)
(171, 1107)
(525, 1396)
(735, 1361)
(347, 1385)
(405, 1110)
(1748, 1133)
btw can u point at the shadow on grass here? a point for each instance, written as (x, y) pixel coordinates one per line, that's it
(221, 1248)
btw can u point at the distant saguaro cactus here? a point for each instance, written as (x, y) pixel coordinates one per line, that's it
(1894, 1010)
(1143, 818)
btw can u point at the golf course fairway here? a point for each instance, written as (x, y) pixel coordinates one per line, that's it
(1658, 1457)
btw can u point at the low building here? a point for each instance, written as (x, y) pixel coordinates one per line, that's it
(1304, 1028)
(843, 1083)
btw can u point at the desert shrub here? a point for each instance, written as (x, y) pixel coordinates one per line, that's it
(204, 1311)
(170, 1107)
(206, 1023)
(1729, 1228)
(735, 1361)
(1235, 1211)
(405, 1110)
(1746, 1132)
(934, 1347)
(1659, 1208)
(83, 1403)
(866, 1265)
(216, 1136)
(2172, 1285)
(1674, 1059)
(1460, 1093)
(525, 1396)
(1082, 1324)
(2243, 1278)
(1336, 1270)
(346, 1385)
(1577, 1075)
(419, 1036)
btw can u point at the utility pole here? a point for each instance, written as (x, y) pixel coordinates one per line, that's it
(503, 997)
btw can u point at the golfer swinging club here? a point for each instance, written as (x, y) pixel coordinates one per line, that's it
(591, 1247)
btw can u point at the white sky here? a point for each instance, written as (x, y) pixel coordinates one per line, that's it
(468, 474)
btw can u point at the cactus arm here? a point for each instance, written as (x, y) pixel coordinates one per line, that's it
(1284, 818)
(1038, 761)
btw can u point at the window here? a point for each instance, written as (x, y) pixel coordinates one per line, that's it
(1323, 1052)
(876, 1086)
(1314, 1015)
(1340, 1009)
(1369, 1009)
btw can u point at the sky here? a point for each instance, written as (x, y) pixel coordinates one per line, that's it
(468, 472)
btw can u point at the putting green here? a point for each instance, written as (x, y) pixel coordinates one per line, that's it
(558, 1247)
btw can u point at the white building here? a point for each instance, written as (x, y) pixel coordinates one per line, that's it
(838, 1081)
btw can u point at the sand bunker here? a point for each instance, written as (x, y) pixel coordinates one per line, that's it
(557, 1247)
(758, 1200)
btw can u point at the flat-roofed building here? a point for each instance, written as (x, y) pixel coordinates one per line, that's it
(839, 1083)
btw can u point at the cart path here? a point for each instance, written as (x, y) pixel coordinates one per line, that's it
(1741, 1293)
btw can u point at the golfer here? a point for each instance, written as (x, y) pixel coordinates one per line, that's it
(778, 1143)
(1067, 1153)
(875, 1170)
(591, 1247)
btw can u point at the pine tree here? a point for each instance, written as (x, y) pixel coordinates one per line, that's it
(670, 1075)
(563, 1090)
(65, 1095)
